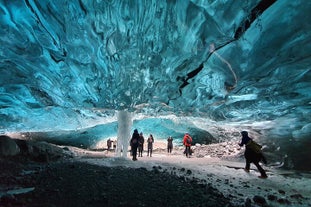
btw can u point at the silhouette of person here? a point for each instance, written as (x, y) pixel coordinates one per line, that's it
(114, 144)
(169, 144)
(187, 142)
(252, 154)
(134, 144)
(109, 144)
(141, 144)
(150, 141)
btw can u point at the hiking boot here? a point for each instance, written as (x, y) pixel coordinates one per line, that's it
(263, 176)
(246, 170)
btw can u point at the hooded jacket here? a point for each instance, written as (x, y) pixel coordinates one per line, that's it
(185, 140)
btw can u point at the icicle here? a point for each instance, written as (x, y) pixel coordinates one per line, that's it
(124, 133)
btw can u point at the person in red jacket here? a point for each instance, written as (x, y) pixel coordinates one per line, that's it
(187, 142)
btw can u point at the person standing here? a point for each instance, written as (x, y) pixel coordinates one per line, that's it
(187, 143)
(109, 144)
(114, 144)
(150, 141)
(141, 144)
(169, 144)
(252, 154)
(134, 144)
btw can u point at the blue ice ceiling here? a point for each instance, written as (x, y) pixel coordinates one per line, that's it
(207, 65)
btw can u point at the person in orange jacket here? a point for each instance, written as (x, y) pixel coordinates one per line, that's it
(187, 142)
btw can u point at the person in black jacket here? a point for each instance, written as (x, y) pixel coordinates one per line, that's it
(141, 144)
(252, 154)
(134, 144)
(169, 144)
(150, 141)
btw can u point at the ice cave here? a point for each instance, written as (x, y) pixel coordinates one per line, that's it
(76, 73)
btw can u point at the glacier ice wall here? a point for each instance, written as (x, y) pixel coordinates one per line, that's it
(70, 65)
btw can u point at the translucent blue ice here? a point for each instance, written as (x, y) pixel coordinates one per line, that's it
(70, 66)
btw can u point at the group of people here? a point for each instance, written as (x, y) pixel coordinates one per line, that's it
(252, 154)
(137, 143)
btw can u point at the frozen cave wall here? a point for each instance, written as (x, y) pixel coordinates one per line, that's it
(209, 67)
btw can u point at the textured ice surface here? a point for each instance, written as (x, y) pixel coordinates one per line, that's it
(208, 67)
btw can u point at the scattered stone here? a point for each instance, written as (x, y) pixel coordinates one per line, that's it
(281, 192)
(259, 199)
(296, 196)
(156, 170)
(283, 201)
(200, 156)
(66, 148)
(272, 197)
(248, 202)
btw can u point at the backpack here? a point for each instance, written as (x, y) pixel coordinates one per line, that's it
(254, 146)
(188, 140)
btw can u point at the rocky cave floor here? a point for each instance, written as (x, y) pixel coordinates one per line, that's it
(86, 178)
(70, 183)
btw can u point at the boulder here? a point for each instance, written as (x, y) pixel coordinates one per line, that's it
(8, 146)
(44, 152)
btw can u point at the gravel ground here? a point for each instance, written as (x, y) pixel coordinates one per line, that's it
(71, 183)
